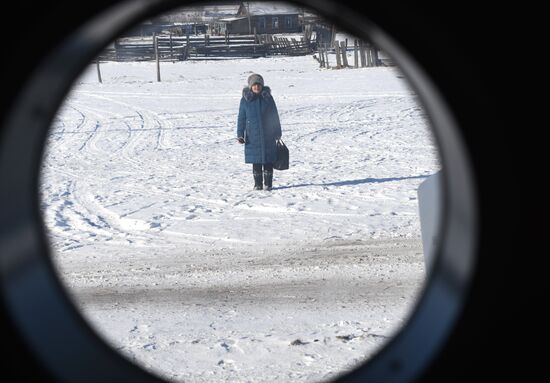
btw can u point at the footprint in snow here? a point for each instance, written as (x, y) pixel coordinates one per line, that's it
(345, 338)
(223, 362)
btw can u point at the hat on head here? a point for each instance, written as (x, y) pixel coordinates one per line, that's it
(255, 79)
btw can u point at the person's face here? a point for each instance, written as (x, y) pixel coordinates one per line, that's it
(256, 88)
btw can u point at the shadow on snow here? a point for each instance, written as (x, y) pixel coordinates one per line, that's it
(352, 182)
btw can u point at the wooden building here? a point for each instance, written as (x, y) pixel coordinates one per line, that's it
(201, 19)
(265, 17)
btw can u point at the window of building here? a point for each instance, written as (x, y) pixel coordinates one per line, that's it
(288, 22)
(275, 23)
(261, 23)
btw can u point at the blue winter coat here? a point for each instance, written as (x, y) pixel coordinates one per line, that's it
(258, 123)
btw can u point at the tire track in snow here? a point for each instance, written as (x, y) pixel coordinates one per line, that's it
(151, 120)
(129, 152)
(122, 225)
(69, 215)
(80, 210)
(187, 158)
(64, 117)
(111, 119)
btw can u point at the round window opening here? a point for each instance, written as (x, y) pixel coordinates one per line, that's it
(185, 242)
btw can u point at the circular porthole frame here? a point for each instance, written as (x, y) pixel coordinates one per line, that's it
(55, 330)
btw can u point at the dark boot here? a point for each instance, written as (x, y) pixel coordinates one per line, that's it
(268, 180)
(257, 181)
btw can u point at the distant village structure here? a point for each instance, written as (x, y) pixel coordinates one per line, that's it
(202, 19)
(264, 18)
(235, 18)
(239, 29)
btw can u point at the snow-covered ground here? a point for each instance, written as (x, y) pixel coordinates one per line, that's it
(181, 266)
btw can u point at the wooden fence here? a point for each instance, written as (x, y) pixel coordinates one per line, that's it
(364, 55)
(177, 48)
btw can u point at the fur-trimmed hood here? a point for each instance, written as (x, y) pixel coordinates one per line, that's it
(250, 96)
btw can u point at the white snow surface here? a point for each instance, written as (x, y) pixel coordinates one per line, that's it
(183, 268)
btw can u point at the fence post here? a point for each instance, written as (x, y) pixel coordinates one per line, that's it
(362, 53)
(171, 48)
(337, 51)
(98, 71)
(116, 50)
(157, 58)
(375, 55)
(344, 52)
(187, 47)
(369, 58)
(307, 34)
(355, 55)
(255, 40)
(326, 62)
(275, 43)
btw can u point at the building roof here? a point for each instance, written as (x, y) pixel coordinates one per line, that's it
(233, 18)
(201, 13)
(270, 8)
(216, 10)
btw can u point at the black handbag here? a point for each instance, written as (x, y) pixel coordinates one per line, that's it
(282, 156)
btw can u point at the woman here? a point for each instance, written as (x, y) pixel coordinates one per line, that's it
(259, 128)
